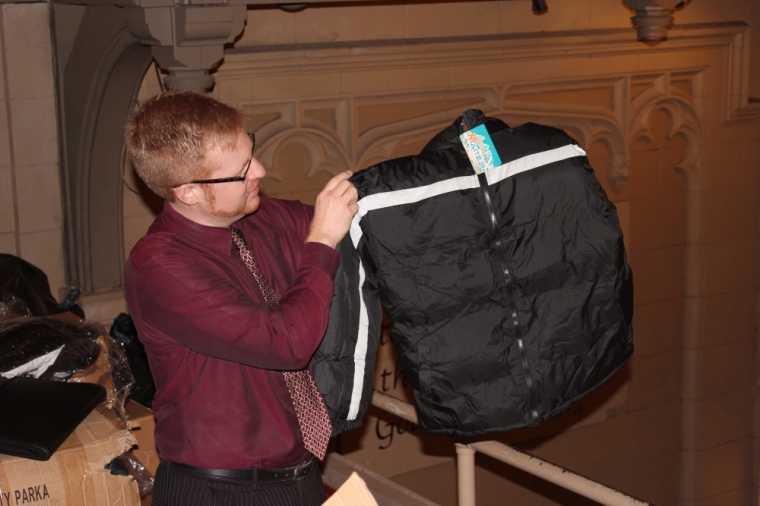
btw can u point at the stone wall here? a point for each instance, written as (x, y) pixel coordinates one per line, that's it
(670, 128)
(30, 192)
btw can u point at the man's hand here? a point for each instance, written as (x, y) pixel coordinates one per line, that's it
(335, 207)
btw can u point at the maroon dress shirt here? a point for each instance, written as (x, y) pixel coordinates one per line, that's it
(215, 347)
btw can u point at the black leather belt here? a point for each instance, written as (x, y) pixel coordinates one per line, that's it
(252, 474)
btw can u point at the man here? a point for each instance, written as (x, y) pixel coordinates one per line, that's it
(228, 289)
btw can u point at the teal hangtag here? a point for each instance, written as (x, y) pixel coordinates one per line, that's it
(479, 146)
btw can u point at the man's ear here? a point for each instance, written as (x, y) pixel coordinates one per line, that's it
(187, 194)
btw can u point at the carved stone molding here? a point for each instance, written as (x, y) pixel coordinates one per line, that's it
(186, 40)
(736, 75)
(323, 153)
(364, 130)
(685, 122)
(521, 61)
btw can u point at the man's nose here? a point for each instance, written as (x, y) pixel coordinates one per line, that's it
(257, 170)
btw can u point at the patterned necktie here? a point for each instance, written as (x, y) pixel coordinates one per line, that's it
(307, 401)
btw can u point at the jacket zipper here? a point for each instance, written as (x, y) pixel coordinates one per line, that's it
(501, 249)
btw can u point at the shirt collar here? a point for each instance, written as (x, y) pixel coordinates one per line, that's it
(216, 238)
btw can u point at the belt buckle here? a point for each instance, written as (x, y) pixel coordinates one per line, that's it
(302, 467)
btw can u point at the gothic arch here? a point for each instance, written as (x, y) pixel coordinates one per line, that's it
(96, 92)
(684, 121)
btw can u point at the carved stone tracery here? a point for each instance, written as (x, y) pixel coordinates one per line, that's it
(336, 141)
(324, 154)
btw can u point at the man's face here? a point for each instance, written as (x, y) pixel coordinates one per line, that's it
(235, 199)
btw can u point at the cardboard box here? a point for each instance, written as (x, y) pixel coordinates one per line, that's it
(143, 424)
(337, 470)
(75, 474)
(353, 492)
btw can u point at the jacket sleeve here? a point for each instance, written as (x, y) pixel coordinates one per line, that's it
(344, 364)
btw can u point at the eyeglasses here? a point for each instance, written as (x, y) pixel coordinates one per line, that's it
(228, 179)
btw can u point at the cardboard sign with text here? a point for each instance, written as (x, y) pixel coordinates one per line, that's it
(75, 474)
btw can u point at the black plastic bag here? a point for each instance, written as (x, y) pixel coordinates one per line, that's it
(123, 330)
(127, 464)
(77, 351)
(25, 290)
(28, 283)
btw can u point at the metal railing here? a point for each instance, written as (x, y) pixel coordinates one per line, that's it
(528, 463)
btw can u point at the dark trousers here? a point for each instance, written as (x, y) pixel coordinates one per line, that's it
(176, 487)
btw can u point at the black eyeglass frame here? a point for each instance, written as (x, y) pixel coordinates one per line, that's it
(228, 179)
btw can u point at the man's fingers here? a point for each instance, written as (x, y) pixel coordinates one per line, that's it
(346, 189)
(336, 180)
(336, 205)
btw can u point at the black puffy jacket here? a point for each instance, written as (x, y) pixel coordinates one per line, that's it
(508, 292)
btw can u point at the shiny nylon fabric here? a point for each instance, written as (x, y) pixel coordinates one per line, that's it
(441, 283)
(343, 367)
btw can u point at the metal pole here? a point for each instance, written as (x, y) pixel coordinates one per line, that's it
(465, 474)
(557, 475)
(533, 465)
